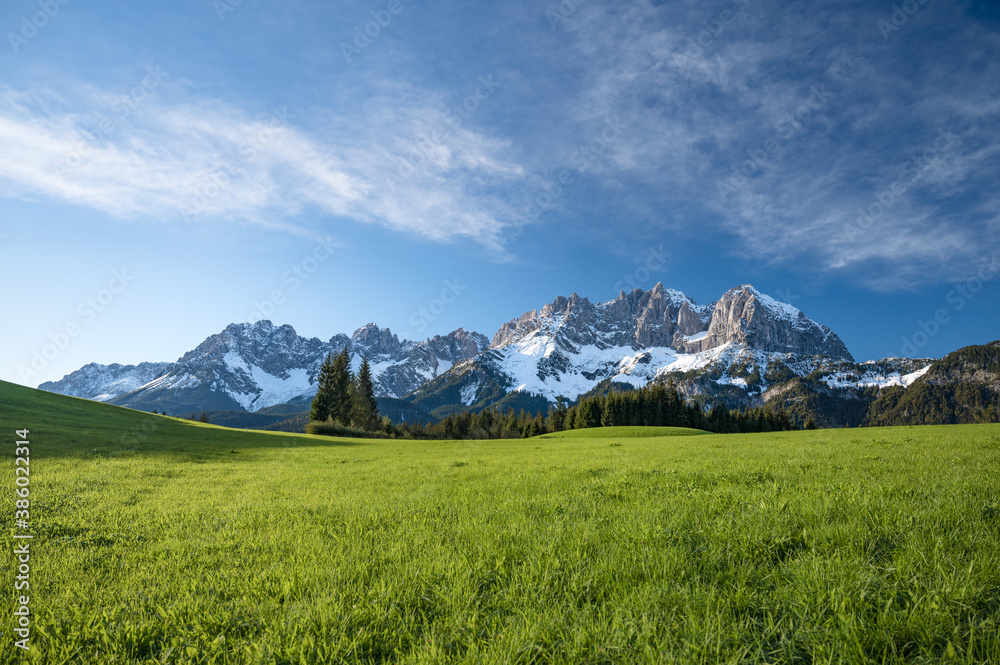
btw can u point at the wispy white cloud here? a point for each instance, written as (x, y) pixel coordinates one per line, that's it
(692, 112)
(695, 89)
(182, 158)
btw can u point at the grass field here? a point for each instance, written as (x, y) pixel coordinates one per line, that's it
(164, 541)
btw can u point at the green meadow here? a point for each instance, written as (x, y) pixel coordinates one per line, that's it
(159, 540)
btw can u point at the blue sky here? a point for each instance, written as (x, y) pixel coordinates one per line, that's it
(169, 168)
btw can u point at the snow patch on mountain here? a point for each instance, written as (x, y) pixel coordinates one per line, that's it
(908, 379)
(781, 309)
(268, 389)
(591, 364)
(273, 389)
(873, 377)
(469, 393)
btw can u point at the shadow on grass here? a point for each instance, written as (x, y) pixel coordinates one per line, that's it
(61, 426)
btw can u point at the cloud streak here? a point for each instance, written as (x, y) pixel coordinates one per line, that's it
(759, 125)
(703, 90)
(201, 160)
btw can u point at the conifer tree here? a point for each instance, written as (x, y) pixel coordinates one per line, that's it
(486, 420)
(341, 383)
(557, 415)
(365, 410)
(320, 410)
(538, 425)
(570, 422)
(609, 415)
(588, 414)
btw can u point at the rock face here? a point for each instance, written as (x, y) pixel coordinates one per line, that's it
(638, 319)
(739, 345)
(667, 318)
(400, 367)
(254, 366)
(748, 317)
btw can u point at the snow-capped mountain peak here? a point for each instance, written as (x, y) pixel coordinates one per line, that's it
(744, 315)
(253, 366)
(565, 348)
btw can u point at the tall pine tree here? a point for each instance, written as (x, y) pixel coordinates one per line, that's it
(340, 388)
(320, 410)
(365, 411)
(557, 415)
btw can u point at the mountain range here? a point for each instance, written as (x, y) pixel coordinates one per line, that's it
(745, 349)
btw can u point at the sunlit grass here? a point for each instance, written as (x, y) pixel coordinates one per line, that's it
(202, 545)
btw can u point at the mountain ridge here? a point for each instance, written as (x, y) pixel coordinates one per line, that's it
(736, 347)
(254, 366)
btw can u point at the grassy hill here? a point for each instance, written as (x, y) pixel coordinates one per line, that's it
(162, 540)
(68, 426)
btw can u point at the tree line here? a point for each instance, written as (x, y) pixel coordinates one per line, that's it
(657, 404)
(344, 401)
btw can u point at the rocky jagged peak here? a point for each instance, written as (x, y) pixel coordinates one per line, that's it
(557, 306)
(103, 382)
(621, 307)
(246, 329)
(458, 345)
(368, 331)
(663, 317)
(469, 336)
(521, 326)
(662, 313)
(567, 309)
(636, 318)
(261, 332)
(373, 340)
(776, 307)
(747, 316)
(560, 306)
